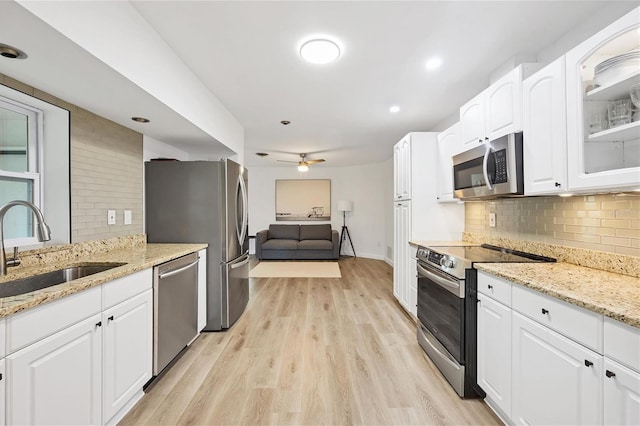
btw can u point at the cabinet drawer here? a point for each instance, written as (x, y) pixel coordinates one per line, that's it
(576, 323)
(37, 323)
(124, 288)
(622, 343)
(494, 287)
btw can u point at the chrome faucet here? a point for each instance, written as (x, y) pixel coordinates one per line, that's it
(44, 233)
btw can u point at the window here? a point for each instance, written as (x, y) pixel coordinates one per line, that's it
(20, 146)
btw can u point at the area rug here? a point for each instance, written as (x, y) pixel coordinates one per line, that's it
(296, 270)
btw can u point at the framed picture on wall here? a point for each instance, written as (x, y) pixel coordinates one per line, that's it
(303, 199)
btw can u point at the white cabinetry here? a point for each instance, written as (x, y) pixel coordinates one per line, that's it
(402, 168)
(58, 380)
(82, 359)
(128, 345)
(449, 144)
(621, 394)
(602, 158)
(417, 213)
(555, 380)
(2, 392)
(496, 111)
(494, 353)
(545, 127)
(202, 289)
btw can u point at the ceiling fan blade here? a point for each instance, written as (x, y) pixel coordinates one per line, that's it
(287, 161)
(320, 160)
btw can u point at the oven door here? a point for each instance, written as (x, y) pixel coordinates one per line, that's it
(441, 308)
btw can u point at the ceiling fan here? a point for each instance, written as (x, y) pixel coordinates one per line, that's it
(303, 164)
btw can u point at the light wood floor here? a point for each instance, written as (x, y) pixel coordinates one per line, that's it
(332, 351)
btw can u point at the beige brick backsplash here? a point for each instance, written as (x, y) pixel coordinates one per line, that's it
(106, 171)
(603, 222)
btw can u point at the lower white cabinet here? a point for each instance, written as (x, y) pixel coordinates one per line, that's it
(555, 380)
(494, 352)
(128, 346)
(621, 394)
(402, 264)
(3, 382)
(57, 380)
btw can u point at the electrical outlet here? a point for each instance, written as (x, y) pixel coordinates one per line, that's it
(111, 217)
(492, 220)
(127, 217)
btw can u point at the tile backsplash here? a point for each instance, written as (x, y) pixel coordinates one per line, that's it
(605, 222)
(106, 171)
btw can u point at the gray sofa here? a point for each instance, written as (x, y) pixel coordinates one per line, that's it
(297, 242)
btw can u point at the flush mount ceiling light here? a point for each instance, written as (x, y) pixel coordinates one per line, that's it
(394, 109)
(433, 63)
(303, 168)
(140, 119)
(11, 52)
(319, 51)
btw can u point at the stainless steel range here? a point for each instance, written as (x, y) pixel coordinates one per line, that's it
(447, 307)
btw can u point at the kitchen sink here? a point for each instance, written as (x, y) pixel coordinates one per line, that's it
(38, 282)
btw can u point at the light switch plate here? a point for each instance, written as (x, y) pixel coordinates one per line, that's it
(492, 220)
(111, 217)
(127, 217)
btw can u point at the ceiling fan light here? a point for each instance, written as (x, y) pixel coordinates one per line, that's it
(303, 167)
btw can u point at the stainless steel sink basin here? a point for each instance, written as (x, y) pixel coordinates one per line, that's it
(38, 282)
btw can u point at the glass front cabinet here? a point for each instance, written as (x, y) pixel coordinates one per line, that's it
(603, 124)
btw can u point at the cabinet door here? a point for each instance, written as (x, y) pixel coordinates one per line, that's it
(621, 395)
(503, 105)
(494, 352)
(412, 288)
(406, 168)
(58, 379)
(603, 156)
(397, 180)
(402, 219)
(472, 122)
(397, 251)
(202, 290)
(128, 338)
(448, 145)
(545, 127)
(555, 380)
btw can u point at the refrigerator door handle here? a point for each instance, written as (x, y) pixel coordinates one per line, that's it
(242, 234)
(239, 264)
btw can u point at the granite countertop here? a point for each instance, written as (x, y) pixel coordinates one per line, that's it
(442, 243)
(614, 295)
(136, 258)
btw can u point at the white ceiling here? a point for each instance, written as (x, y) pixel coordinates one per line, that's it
(246, 54)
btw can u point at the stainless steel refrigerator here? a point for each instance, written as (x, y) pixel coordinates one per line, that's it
(205, 202)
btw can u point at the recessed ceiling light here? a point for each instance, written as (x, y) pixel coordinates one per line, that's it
(320, 51)
(394, 108)
(433, 63)
(11, 52)
(140, 119)
(261, 154)
(285, 122)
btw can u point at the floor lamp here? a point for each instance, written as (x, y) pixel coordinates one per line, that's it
(344, 207)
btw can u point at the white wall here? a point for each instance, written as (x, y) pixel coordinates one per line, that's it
(369, 187)
(153, 148)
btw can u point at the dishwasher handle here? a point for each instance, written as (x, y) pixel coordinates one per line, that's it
(177, 271)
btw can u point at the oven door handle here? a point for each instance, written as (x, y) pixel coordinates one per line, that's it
(448, 285)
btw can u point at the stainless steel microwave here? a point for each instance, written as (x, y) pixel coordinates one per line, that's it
(490, 170)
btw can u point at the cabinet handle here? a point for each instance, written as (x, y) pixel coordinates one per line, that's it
(110, 318)
(489, 286)
(610, 374)
(558, 184)
(544, 311)
(479, 140)
(0, 376)
(99, 324)
(587, 363)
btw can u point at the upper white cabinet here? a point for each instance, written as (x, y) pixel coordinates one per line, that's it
(603, 143)
(449, 144)
(496, 111)
(402, 169)
(545, 129)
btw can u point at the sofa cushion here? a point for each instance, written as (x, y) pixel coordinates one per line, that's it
(280, 244)
(315, 245)
(285, 232)
(315, 232)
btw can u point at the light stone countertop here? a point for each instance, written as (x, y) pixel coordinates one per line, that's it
(442, 243)
(614, 295)
(136, 258)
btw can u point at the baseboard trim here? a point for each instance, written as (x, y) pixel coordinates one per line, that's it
(389, 261)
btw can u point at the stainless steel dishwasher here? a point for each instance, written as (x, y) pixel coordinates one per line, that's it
(175, 308)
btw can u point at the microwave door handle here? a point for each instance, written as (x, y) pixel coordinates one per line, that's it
(485, 164)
